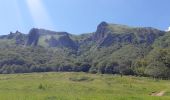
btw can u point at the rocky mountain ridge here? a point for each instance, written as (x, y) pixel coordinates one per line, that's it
(104, 36)
(112, 48)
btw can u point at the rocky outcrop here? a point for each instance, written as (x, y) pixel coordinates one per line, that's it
(20, 38)
(148, 34)
(33, 37)
(62, 41)
(17, 36)
(111, 49)
(101, 32)
(105, 35)
(110, 34)
(57, 39)
(112, 39)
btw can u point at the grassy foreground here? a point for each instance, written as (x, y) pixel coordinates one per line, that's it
(80, 86)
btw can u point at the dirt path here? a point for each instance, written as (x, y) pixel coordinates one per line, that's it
(161, 93)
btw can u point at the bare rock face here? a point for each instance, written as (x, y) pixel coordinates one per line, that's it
(101, 32)
(17, 36)
(62, 41)
(110, 34)
(106, 35)
(57, 39)
(20, 38)
(52, 42)
(112, 39)
(148, 34)
(33, 37)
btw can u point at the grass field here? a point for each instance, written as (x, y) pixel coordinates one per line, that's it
(80, 86)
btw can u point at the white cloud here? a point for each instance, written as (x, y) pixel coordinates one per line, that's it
(168, 29)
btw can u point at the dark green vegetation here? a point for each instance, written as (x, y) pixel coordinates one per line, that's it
(80, 86)
(111, 49)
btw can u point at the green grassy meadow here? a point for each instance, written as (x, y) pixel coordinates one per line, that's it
(80, 86)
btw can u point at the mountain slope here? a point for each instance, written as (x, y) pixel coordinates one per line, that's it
(112, 49)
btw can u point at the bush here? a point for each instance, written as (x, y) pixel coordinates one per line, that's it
(157, 70)
(93, 70)
(41, 87)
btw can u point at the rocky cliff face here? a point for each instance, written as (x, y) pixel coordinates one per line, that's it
(33, 37)
(18, 37)
(55, 39)
(101, 32)
(108, 34)
(108, 50)
(148, 34)
(62, 41)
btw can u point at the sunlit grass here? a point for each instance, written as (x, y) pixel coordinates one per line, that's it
(79, 86)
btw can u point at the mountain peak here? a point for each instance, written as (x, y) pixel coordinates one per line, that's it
(102, 24)
(101, 30)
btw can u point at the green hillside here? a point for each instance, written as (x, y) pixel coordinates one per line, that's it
(111, 49)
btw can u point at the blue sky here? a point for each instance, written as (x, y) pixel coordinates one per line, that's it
(81, 16)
